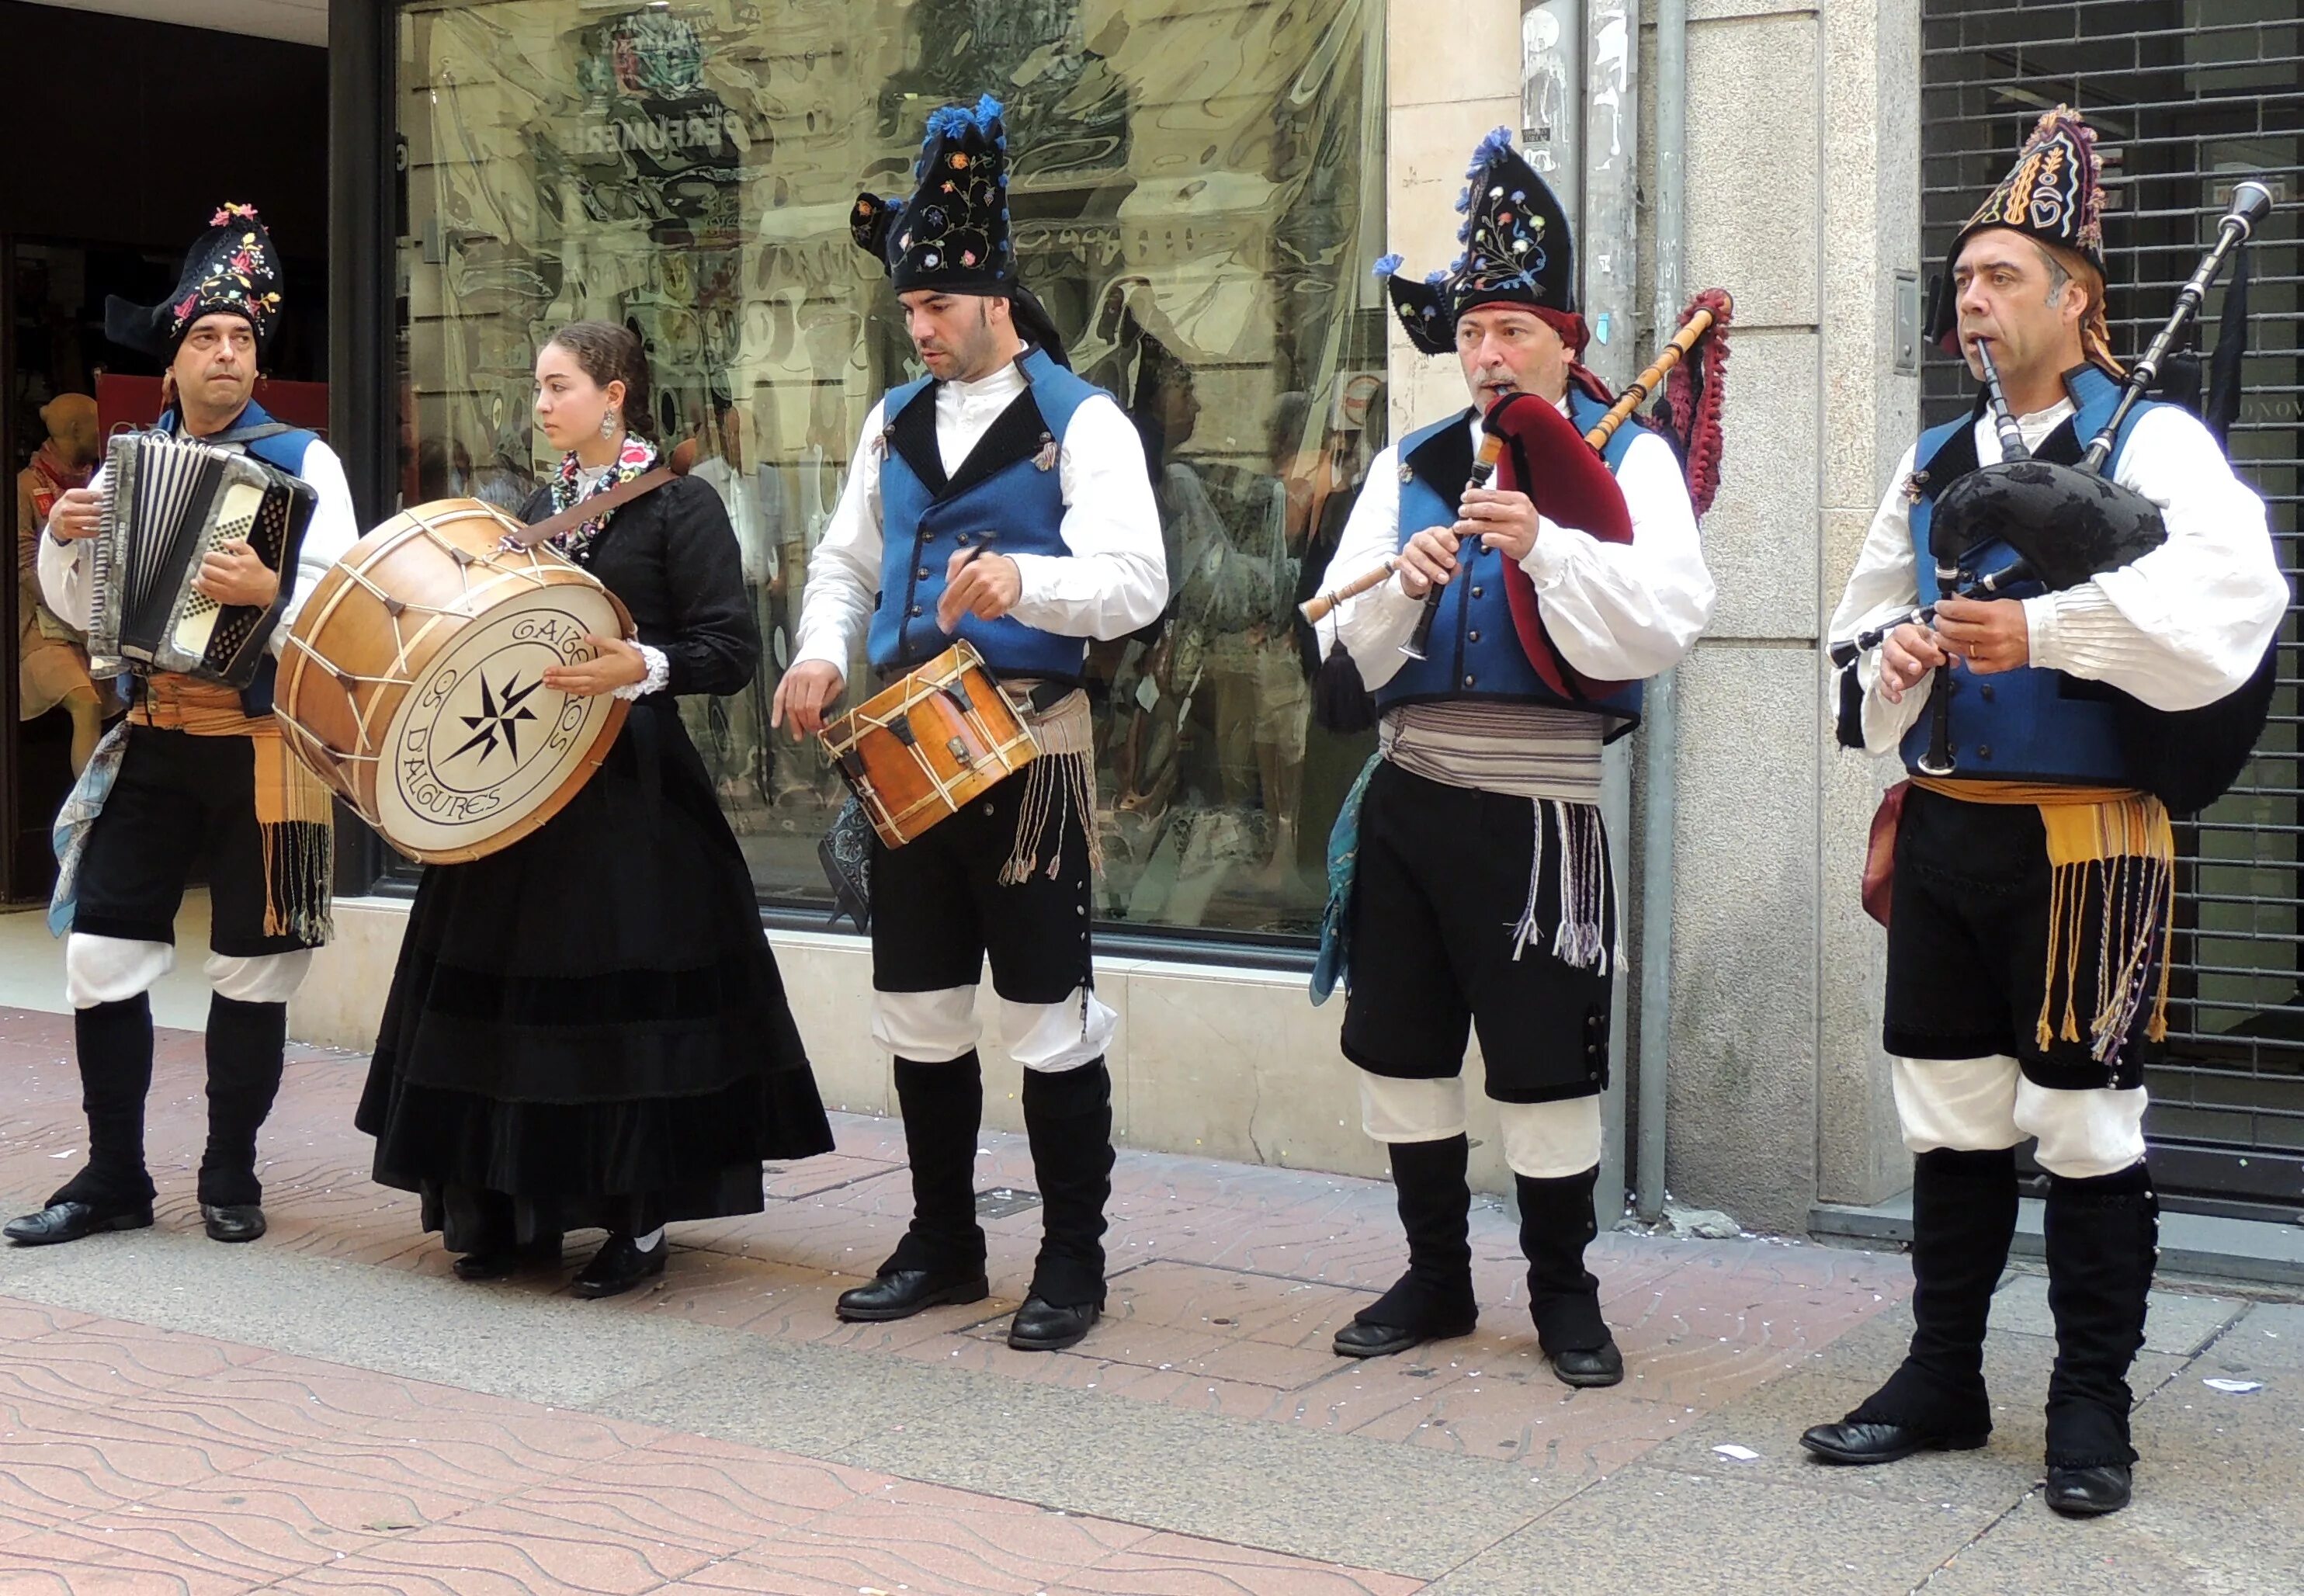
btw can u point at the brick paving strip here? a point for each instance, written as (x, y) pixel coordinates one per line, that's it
(330, 1410)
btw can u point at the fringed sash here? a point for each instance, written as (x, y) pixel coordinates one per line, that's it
(1581, 940)
(294, 814)
(2120, 843)
(1060, 780)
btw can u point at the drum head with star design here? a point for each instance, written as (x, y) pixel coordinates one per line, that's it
(481, 750)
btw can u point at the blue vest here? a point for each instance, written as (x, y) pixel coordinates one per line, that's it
(283, 452)
(2028, 725)
(1475, 652)
(1002, 499)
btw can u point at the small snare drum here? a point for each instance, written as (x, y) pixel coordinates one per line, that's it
(930, 741)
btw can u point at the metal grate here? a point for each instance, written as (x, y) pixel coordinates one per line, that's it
(2187, 96)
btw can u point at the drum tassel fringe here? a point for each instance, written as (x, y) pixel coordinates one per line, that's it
(1062, 780)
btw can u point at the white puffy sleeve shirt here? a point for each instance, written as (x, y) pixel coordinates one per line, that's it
(1618, 612)
(2183, 626)
(1111, 579)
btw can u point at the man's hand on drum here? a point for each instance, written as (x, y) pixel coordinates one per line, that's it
(986, 587)
(76, 515)
(614, 664)
(809, 689)
(233, 573)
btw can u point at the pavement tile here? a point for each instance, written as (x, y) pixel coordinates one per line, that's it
(353, 1485)
(1650, 1529)
(1282, 1310)
(496, 1558)
(119, 1360)
(1211, 1352)
(480, 1455)
(1770, 1422)
(931, 1538)
(694, 1493)
(68, 1566)
(101, 1458)
(2271, 1335)
(2126, 1554)
(1171, 1564)
(31, 1321)
(200, 1537)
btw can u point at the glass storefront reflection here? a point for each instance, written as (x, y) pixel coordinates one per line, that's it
(1198, 200)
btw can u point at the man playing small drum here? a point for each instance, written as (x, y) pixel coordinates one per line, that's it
(201, 769)
(1003, 501)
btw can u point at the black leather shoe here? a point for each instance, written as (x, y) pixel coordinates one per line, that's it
(1592, 1366)
(1366, 1339)
(1043, 1327)
(619, 1266)
(494, 1263)
(898, 1293)
(70, 1221)
(1858, 1444)
(232, 1221)
(2088, 1492)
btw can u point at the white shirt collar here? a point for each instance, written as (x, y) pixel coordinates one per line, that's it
(1003, 385)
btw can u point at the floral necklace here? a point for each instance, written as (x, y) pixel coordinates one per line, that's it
(569, 488)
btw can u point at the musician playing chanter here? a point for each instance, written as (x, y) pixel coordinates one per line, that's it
(587, 1028)
(2020, 1005)
(198, 770)
(1485, 895)
(1004, 501)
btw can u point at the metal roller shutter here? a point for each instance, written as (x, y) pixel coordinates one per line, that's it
(2188, 95)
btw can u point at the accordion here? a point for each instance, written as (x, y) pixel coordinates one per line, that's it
(168, 502)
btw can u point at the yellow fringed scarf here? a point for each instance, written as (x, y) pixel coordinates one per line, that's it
(294, 813)
(2123, 838)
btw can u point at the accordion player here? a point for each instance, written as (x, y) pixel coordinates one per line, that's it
(168, 501)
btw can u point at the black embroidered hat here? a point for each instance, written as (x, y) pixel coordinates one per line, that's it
(1518, 250)
(230, 268)
(2055, 193)
(952, 234)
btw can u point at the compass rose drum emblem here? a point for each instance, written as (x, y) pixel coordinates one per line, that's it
(412, 683)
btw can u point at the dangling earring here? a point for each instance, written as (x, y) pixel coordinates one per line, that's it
(608, 423)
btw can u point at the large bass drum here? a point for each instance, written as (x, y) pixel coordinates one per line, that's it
(412, 682)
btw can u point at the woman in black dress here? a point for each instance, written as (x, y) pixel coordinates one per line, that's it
(588, 1028)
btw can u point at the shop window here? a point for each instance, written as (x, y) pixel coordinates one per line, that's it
(1198, 197)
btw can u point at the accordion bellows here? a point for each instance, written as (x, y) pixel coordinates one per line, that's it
(167, 503)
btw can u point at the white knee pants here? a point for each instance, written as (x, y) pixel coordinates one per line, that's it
(1542, 1141)
(1980, 1105)
(115, 969)
(938, 1027)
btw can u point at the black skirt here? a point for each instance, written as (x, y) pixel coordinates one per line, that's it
(589, 1027)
